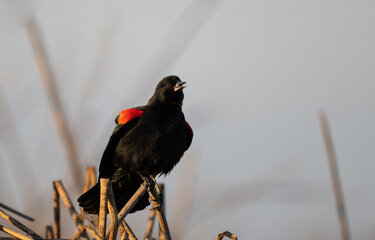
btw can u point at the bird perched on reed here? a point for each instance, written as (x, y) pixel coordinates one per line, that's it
(148, 140)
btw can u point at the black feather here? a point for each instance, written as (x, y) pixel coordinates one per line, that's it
(150, 144)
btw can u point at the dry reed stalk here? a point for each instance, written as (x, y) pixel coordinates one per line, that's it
(68, 203)
(93, 233)
(226, 234)
(13, 233)
(161, 216)
(56, 213)
(125, 227)
(92, 174)
(150, 224)
(86, 183)
(112, 209)
(19, 225)
(57, 112)
(90, 179)
(124, 235)
(122, 231)
(78, 234)
(133, 200)
(161, 191)
(49, 232)
(332, 161)
(130, 204)
(16, 212)
(103, 207)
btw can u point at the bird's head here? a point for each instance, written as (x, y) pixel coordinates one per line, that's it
(169, 90)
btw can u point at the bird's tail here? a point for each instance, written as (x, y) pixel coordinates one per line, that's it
(123, 191)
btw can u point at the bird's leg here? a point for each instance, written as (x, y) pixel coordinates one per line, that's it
(154, 197)
(145, 178)
(158, 189)
(151, 183)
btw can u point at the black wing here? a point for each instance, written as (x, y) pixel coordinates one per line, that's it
(107, 167)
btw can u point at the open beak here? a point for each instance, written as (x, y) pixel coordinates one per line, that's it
(179, 86)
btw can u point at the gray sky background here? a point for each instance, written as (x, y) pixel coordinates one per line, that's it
(257, 72)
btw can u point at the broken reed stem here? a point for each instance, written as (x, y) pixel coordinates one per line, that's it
(161, 216)
(226, 234)
(150, 224)
(130, 204)
(56, 213)
(103, 207)
(112, 209)
(16, 212)
(19, 225)
(49, 232)
(68, 203)
(332, 161)
(13, 233)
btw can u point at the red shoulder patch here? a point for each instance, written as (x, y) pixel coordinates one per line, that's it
(127, 115)
(188, 125)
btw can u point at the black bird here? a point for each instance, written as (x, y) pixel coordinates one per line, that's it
(148, 140)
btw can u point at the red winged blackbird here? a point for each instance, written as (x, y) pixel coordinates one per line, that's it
(148, 140)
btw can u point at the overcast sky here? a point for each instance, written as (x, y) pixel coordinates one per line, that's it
(257, 73)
